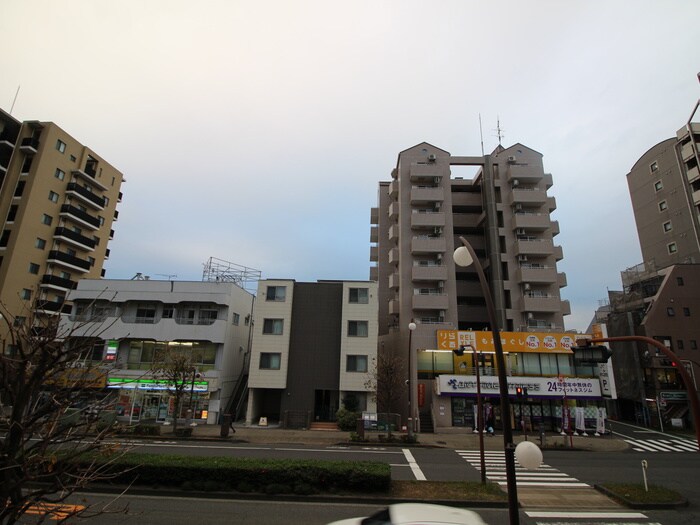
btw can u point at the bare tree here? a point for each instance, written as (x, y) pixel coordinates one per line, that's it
(387, 383)
(53, 416)
(176, 367)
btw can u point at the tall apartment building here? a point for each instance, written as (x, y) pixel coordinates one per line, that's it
(58, 200)
(313, 345)
(503, 212)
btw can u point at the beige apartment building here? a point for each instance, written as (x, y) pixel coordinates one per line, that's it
(503, 212)
(58, 201)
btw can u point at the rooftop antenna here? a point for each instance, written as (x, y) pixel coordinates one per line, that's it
(14, 100)
(481, 134)
(499, 130)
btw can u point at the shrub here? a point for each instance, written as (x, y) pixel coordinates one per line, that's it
(346, 419)
(143, 429)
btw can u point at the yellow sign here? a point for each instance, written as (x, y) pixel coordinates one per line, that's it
(527, 342)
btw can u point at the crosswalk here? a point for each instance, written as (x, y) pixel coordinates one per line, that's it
(495, 463)
(662, 445)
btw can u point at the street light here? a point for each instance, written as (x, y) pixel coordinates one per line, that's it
(465, 256)
(479, 407)
(409, 417)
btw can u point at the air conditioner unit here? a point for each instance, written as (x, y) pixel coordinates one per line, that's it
(439, 257)
(438, 205)
(431, 157)
(522, 258)
(520, 231)
(516, 182)
(441, 285)
(526, 286)
(438, 231)
(437, 180)
(518, 206)
(530, 315)
(512, 159)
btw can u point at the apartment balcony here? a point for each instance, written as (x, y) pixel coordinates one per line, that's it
(533, 246)
(373, 254)
(94, 201)
(551, 204)
(394, 307)
(468, 198)
(531, 221)
(523, 173)
(561, 279)
(57, 283)
(107, 252)
(529, 273)
(547, 179)
(374, 216)
(394, 232)
(683, 132)
(687, 152)
(428, 244)
(555, 228)
(696, 197)
(527, 197)
(693, 174)
(373, 273)
(427, 219)
(434, 300)
(394, 256)
(393, 210)
(558, 253)
(429, 273)
(374, 234)
(424, 172)
(466, 220)
(120, 196)
(74, 239)
(80, 217)
(540, 302)
(68, 261)
(394, 280)
(427, 194)
(48, 307)
(89, 175)
(565, 307)
(29, 146)
(8, 139)
(394, 189)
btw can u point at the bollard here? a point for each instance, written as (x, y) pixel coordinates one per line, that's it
(645, 465)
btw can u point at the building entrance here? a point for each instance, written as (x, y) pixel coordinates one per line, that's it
(325, 405)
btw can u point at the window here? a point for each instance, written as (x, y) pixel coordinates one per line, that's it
(236, 318)
(40, 243)
(686, 311)
(670, 311)
(693, 344)
(33, 268)
(65, 275)
(359, 295)
(208, 316)
(60, 174)
(19, 189)
(679, 281)
(26, 294)
(168, 311)
(12, 214)
(276, 293)
(679, 344)
(91, 260)
(672, 248)
(667, 226)
(101, 219)
(663, 206)
(273, 326)
(46, 219)
(270, 360)
(19, 320)
(73, 158)
(146, 314)
(53, 196)
(658, 185)
(4, 238)
(61, 146)
(357, 328)
(356, 363)
(654, 166)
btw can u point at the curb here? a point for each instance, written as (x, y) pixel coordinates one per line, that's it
(641, 506)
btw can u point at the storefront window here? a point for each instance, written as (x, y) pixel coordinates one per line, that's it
(531, 364)
(564, 364)
(549, 364)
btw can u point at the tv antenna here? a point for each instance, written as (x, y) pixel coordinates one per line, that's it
(499, 130)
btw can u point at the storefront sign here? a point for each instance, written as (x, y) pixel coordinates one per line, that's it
(112, 347)
(421, 395)
(154, 384)
(605, 371)
(574, 387)
(533, 342)
(673, 396)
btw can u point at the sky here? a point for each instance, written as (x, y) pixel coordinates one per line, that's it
(257, 131)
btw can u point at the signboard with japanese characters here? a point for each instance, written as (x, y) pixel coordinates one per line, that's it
(537, 387)
(533, 342)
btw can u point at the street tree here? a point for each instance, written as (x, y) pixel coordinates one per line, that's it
(386, 382)
(54, 417)
(176, 368)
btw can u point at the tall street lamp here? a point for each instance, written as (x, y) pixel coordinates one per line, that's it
(465, 256)
(409, 417)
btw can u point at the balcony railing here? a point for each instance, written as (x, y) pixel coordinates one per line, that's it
(75, 237)
(90, 197)
(29, 145)
(82, 216)
(48, 306)
(58, 282)
(60, 257)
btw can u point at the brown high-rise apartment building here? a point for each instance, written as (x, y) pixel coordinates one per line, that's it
(58, 200)
(503, 212)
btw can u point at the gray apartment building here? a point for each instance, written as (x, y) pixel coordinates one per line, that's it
(505, 214)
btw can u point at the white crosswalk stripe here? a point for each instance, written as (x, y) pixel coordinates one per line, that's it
(663, 445)
(495, 464)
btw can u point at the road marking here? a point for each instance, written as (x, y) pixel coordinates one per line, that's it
(662, 445)
(583, 515)
(55, 511)
(417, 472)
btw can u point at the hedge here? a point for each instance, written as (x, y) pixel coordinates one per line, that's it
(251, 475)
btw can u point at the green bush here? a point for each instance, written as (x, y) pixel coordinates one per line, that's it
(143, 429)
(346, 419)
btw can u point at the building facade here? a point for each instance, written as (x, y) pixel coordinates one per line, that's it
(314, 345)
(131, 323)
(58, 201)
(504, 212)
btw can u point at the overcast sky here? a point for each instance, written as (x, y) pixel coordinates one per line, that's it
(257, 131)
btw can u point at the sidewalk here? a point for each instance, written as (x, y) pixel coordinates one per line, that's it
(452, 440)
